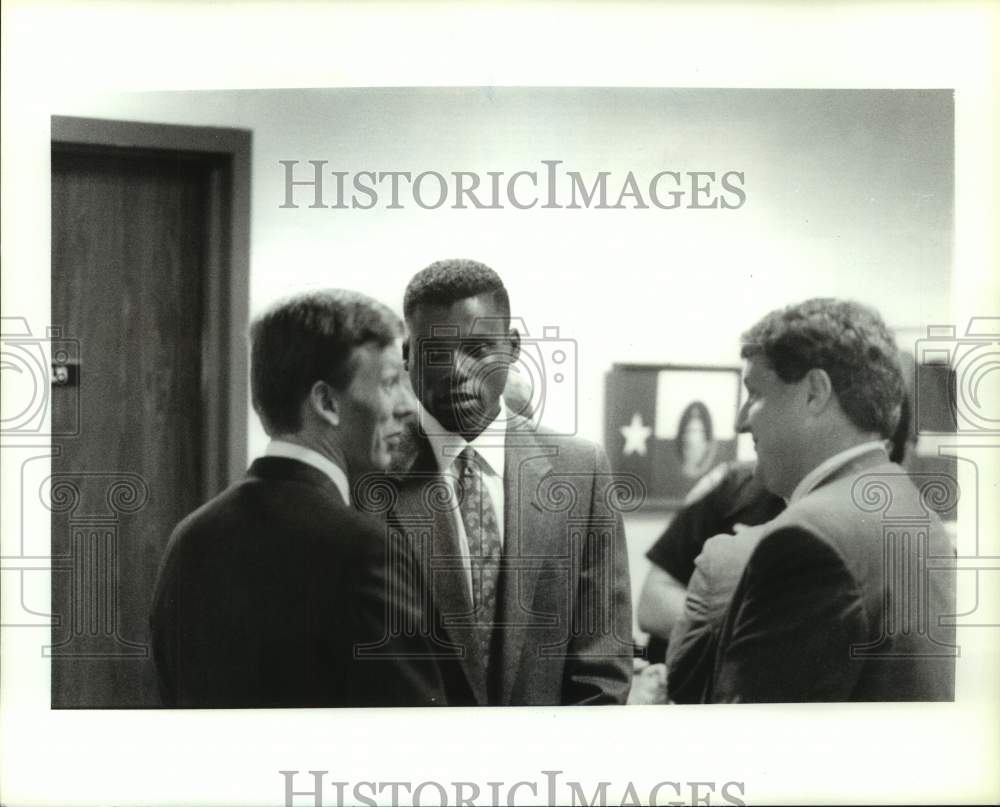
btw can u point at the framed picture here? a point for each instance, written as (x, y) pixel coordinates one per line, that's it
(670, 424)
(932, 415)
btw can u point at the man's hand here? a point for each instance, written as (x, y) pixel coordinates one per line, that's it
(661, 602)
(649, 685)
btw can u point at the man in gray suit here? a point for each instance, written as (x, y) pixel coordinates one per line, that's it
(523, 547)
(849, 594)
(715, 576)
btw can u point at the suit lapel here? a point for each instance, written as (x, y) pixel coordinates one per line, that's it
(424, 503)
(526, 545)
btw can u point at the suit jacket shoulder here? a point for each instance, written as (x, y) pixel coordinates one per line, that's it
(834, 579)
(266, 592)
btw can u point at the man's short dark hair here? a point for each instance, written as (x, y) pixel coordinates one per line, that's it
(847, 340)
(448, 281)
(308, 338)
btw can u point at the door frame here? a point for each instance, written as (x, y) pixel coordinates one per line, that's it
(226, 153)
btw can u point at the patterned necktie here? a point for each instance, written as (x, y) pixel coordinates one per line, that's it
(483, 533)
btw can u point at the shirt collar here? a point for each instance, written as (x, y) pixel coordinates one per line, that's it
(293, 451)
(812, 479)
(489, 443)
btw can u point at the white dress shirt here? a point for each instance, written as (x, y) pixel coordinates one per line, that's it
(812, 479)
(293, 451)
(490, 446)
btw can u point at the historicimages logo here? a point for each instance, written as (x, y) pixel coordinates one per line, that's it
(317, 788)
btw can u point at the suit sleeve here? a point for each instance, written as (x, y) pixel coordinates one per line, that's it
(163, 627)
(201, 660)
(393, 659)
(599, 664)
(689, 652)
(791, 625)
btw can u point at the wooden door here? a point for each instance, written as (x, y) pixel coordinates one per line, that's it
(145, 288)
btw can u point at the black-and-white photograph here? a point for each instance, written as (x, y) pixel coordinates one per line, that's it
(398, 518)
(397, 403)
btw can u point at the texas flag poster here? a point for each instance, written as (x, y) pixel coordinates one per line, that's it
(669, 425)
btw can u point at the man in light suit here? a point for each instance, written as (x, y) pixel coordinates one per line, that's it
(849, 594)
(716, 574)
(277, 593)
(523, 548)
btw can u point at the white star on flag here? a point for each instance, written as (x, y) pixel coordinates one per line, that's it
(635, 435)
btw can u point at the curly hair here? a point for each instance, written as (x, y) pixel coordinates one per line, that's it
(847, 340)
(308, 338)
(448, 281)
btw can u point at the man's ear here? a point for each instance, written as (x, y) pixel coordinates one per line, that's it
(819, 390)
(406, 355)
(515, 344)
(323, 402)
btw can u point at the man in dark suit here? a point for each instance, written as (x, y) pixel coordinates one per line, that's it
(275, 592)
(849, 594)
(523, 548)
